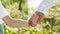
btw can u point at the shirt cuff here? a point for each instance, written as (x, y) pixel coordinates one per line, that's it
(3, 11)
(45, 5)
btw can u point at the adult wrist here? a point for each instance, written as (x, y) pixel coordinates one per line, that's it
(40, 14)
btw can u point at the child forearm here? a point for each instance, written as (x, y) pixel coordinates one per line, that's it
(14, 23)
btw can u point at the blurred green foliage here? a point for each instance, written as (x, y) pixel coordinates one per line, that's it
(19, 9)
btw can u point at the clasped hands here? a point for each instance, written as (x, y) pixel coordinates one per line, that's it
(35, 18)
(33, 21)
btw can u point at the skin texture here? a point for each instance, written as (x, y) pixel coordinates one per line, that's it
(15, 22)
(36, 18)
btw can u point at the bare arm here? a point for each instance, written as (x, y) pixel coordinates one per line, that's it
(14, 23)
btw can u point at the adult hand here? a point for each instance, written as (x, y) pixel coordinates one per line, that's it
(35, 18)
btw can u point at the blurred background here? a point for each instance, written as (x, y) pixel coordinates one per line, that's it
(23, 9)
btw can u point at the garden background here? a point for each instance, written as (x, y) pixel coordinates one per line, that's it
(20, 9)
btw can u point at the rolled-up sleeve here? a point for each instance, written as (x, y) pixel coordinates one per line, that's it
(3, 11)
(45, 5)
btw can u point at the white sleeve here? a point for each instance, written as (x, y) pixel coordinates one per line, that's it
(45, 5)
(3, 11)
